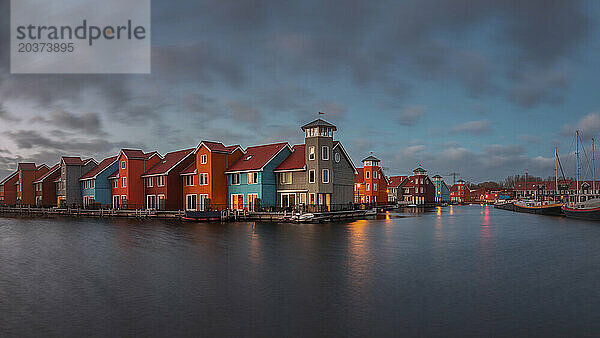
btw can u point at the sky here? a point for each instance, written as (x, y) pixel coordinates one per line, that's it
(483, 88)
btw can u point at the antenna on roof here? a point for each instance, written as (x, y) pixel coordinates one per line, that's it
(453, 174)
(321, 113)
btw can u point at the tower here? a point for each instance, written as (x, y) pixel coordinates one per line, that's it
(318, 140)
(372, 175)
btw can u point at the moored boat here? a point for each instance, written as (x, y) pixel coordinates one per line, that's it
(550, 208)
(589, 210)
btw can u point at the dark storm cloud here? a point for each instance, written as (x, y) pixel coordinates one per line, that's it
(87, 122)
(29, 139)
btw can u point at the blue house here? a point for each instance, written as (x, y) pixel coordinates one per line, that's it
(95, 186)
(251, 177)
(442, 192)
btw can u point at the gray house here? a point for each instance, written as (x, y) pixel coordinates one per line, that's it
(68, 188)
(316, 173)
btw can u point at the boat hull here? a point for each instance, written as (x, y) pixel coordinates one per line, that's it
(550, 210)
(587, 214)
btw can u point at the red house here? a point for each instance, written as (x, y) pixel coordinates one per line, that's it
(28, 173)
(127, 182)
(8, 189)
(45, 187)
(418, 189)
(370, 183)
(164, 190)
(460, 193)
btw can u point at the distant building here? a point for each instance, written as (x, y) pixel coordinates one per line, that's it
(28, 173)
(370, 183)
(8, 189)
(45, 187)
(395, 191)
(72, 168)
(460, 193)
(442, 192)
(163, 186)
(127, 184)
(419, 189)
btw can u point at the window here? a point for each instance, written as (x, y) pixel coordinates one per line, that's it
(92, 184)
(421, 181)
(337, 157)
(235, 178)
(311, 176)
(311, 153)
(252, 200)
(122, 164)
(123, 182)
(203, 177)
(203, 159)
(374, 174)
(149, 182)
(252, 178)
(161, 181)
(325, 153)
(421, 190)
(115, 184)
(203, 202)
(367, 174)
(286, 178)
(374, 186)
(325, 175)
(160, 202)
(237, 201)
(190, 202)
(150, 202)
(368, 187)
(189, 181)
(312, 199)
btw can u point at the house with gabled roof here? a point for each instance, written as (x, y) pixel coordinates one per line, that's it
(371, 183)
(28, 173)
(419, 189)
(395, 191)
(72, 168)
(251, 177)
(163, 188)
(204, 180)
(318, 173)
(45, 187)
(8, 189)
(460, 192)
(127, 184)
(95, 186)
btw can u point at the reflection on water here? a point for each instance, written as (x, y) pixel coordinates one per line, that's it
(452, 271)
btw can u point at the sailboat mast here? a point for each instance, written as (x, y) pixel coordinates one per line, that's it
(577, 154)
(556, 172)
(593, 168)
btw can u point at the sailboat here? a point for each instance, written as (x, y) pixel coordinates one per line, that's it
(589, 209)
(551, 208)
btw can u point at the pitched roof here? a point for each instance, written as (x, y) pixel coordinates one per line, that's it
(395, 181)
(218, 146)
(420, 170)
(49, 173)
(359, 176)
(336, 144)
(436, 176)
(137, 154)
(114, 175)
(27, 166)
(76, 160)
(257, 157)
(318, 123)
(9, 177)
(170, 160)
(191, 169)
(296, 160)
(99, 168)
(371, 158)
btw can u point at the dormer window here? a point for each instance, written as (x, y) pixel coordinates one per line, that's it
(248, 157)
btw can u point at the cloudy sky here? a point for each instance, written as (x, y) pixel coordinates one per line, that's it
(484, 88)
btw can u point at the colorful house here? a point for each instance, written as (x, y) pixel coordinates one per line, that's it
(28, 173)
(8, 189)
(72, 169)
(370, 183)
(95, 186)
(395, 191)
(164, 190)
(127, 187)
(419, 189)
(251, 177)
(460, 193)
(442, 192)
(204, 180)
(45, 187)
(318, 173)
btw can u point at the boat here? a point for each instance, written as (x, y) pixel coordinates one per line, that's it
(201, 216)
(550, 208)
(590, 209)
(504, 205)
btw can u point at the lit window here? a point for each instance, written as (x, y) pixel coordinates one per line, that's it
(286, 178)
(252, 178)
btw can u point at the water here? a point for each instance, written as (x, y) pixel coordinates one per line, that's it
(460, 271)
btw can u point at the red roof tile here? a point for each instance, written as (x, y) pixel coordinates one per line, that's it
(170, 160)
(99, 168)
(359, 177)
(73, 160)
(396, 180)
(137, 154)
(9, 177)
(191, 169)
(49, 173)
(257, 157)
(218, 146)
(27, 166)
(296, 160)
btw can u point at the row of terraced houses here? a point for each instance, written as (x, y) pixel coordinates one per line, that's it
(211, 176)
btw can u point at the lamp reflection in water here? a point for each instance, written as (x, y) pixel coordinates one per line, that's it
(451, 209)
(359, 262)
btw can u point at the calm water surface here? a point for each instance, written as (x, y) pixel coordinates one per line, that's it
(460, 271)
